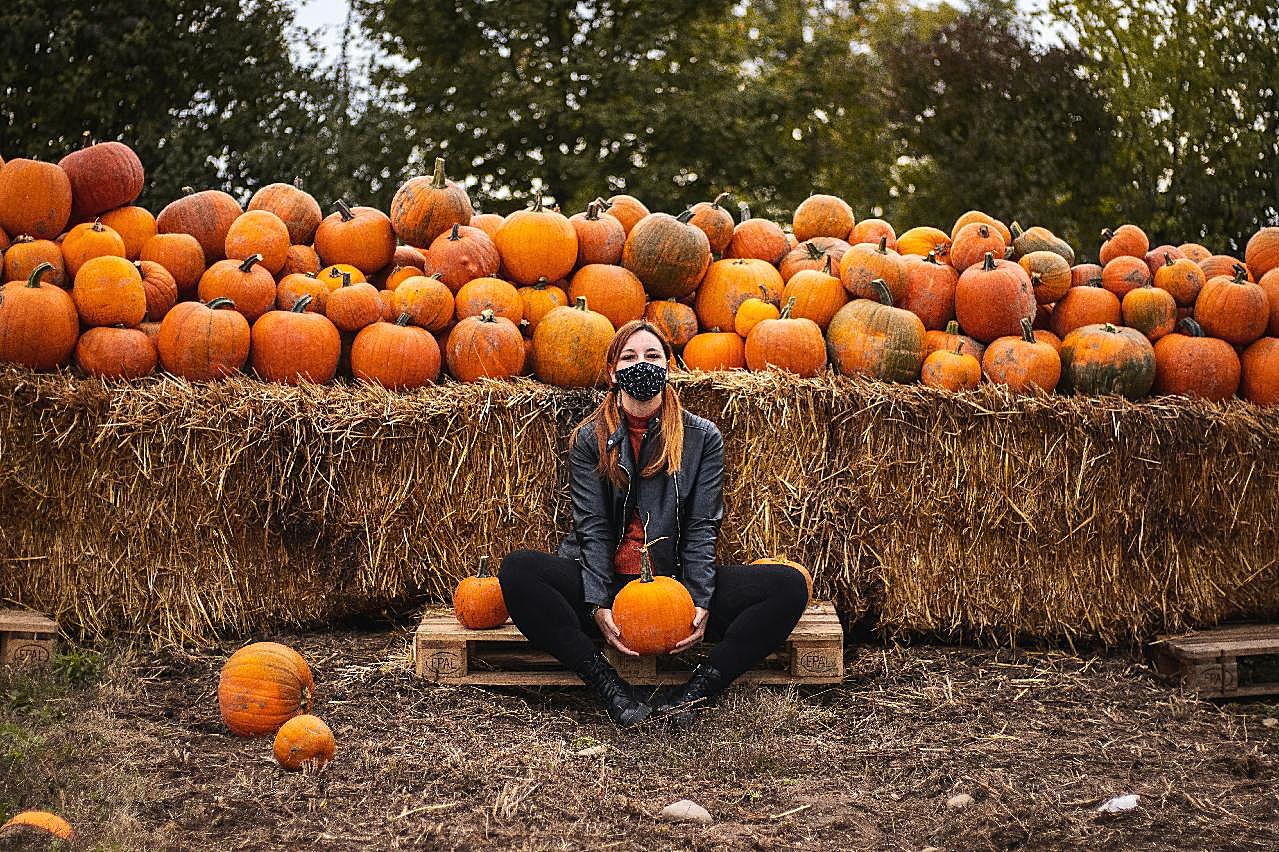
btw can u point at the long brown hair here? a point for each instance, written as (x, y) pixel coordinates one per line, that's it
(668, 452)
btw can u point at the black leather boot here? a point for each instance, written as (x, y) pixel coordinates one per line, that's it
(614, 693)
(703, 687)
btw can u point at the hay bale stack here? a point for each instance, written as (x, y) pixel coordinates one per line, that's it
(183, 511)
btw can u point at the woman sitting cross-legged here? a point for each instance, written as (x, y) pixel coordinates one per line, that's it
(641, 466)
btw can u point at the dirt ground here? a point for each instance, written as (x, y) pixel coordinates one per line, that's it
(129, 747)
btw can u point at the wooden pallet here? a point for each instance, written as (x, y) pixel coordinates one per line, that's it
(1227, 662)
(26, 638)
(446, 652)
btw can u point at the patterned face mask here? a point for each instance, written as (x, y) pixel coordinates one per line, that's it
(642, 381)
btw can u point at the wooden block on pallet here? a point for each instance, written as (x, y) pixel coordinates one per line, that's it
(26, 638)
(447, 652)
(1208, 662)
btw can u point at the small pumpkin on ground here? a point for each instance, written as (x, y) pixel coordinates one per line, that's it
(262, 686)
(304, 742)
(653, 613)
(478, 602)
(38, 821)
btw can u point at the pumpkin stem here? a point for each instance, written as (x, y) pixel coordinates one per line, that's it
(486, 315)
(593, 211)
(881, 289)
(829, 270)
(483, 573)
(97, 226)
(952, 327)
(685, 216)
(932, 257)
(768, 294)
(343, 209)
(437, 180)
(719, 198)
(297, 181)
(580, 303)
(883, 245)
(1188, 326)
(814, 253)
(24, 238)
(984, 230)
(220, 302)
(1027, 331)
(346, 279)
(247, 265)
(1241, 274)
(1168, 259)
(604, 205)
(646, 566)
(299, 306)
(746, 211)
(989, 263)
(786, 309)
(1015, 230)
(33, 280)
(188, 190)
(540, 284)
(1109, 328)
(403, 318)
(537, 201)
(454, 235)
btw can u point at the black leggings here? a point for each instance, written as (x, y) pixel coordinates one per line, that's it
(754, 609)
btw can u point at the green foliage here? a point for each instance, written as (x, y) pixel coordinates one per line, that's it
(1194, 92)
(988, 120)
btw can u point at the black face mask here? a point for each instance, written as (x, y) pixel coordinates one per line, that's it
(642, 381)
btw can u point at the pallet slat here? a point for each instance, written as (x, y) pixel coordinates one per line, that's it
(1208, 662)
(446, 652)
(26, 638)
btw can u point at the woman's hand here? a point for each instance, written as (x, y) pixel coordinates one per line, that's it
(699, 630)
(604, 621)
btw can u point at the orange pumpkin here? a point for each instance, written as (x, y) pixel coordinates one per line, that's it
(38, 322)
(715, 350)
(1159, 256)
(35, 199)
(485, 346)
(677, 322)
(754, 311)
(304, 742)
(667, 254)
(876, 340)
(613, 291)
(259, 232)
(813, 254)
(359, 236)
(26, 253)
(200, 342)
(262, 686)
(108, 291)
(1107, 359)
(1124, 241)
(425, 207)
(295, 286)
(1224, 264)
(427, 301)
(873, 231)
(477, 601)
(923, 241)
(973, 242)
(1049, 275)
(1269, 285)
(952, 371)
(493, 294)
(952, 340)
(38, 821)
(791, 344)
(979, 217)
(245, 282)
(296, 208)
(1259, 383)
(600, 237)
(1233, 308)
(729, 283)
(930, 290)
(1023, 363)
(1150, 310)
(626, 209)
(293, 346)
(395, 355)
(1085, 305)
(206, 215)
(570, 344)
(653, 613)
(85, 242)
(992, 299)
(1189, 364)
(181, 255)
(158, 286)
(817, 294)
(135, 225)
(1261, 254)
(488, 223)
(1181, 277)
(103, 177)
(863, 263)
(537, 243)
(715, 221)
(540, 299)
(1195, 252)
(757, 238)
(116, 353)
(463, 254)
(823, 216)
(352, 307)
(1125, 273)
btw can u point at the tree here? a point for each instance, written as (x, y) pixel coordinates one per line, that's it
(1195, 94)
(987, 119)
(207, 93)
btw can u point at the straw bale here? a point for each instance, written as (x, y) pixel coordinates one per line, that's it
(183, 511)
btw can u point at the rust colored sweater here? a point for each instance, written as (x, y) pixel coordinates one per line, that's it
(626, 562)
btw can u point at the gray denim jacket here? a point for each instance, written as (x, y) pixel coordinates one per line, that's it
(684, 510)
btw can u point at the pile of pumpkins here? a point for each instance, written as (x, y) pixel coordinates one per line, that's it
(207, 288)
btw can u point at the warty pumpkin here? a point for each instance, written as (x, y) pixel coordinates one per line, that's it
(108, 291)
(245, 282)
(653, 613)
(293, 346)
(477, 601)
(199, 342)
(38, 322)
(262, 686)
(570, 344)
(874, 339)
(304, 742)
(1189, 364)
(395, 355)
(295, 207)
(35, 198)
(823, 216)
(1107, 359)
(600, 237)
(1023, 363)
(537, 243)
(113, 352)
(667, 254)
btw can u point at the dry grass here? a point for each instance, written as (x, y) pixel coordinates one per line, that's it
(141, 761)
(186, 512)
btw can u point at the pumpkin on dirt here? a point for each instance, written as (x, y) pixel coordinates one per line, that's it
(38, 821)
(262, 686)
(478, 602)
(304, 742)
(653, 613)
